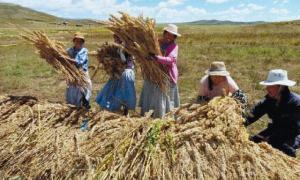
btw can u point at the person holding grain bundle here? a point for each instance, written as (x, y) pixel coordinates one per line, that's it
(119, 92)
(79, 96)
(152, 97)
(218, 82)
(283, 108)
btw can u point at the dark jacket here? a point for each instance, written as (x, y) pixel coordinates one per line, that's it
(285, 115)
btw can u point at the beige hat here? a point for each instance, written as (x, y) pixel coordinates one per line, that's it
(173, 29)
(278, 77)
(217, 68)
(78, 36)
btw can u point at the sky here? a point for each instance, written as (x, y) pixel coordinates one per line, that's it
(171, 10)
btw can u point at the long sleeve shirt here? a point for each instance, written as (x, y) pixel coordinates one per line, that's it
(285, 115)
(80, 56)
(217, 90)
(170, 59)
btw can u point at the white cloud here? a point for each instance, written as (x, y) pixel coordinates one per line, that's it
(216, 1)
(280, 1)
(101, 9)
(165, 11)
(241, 12)
(244, 9)
(170, 3)
(185, 14)
(279, 11)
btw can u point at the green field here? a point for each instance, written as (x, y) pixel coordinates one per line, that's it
(249, 52)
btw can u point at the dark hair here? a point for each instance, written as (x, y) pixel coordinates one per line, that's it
(284, 89)
(210, 84)
(170, 33)
(82, 40)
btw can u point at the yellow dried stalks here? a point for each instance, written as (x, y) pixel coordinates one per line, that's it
(140, 39)
(44, 141)
(109, 57)
(55, 54)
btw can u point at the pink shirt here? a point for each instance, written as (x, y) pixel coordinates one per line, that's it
(170, 60)
(229, 85)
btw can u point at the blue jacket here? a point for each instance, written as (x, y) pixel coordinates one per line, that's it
(80, 56)
(285, 115)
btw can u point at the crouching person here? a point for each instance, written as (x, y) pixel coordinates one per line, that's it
(218, 82)
(79, 96)
(283, 108)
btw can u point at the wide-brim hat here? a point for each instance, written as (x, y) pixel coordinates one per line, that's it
(78, 36)
(217, 68)
(278, 77)
(173, 29)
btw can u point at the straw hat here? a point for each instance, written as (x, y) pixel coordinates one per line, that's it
(278, 77)
(78, 36)
(217, 68)
(173, 29)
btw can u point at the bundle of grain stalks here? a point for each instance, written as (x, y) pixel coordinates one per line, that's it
(108, 55)
(55, 54)
(207, 142)
(139, 36)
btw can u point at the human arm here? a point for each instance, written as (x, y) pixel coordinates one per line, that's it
(170, 59)
(256, 112)
(203, 90)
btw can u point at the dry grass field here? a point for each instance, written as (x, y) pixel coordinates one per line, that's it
(249, 52)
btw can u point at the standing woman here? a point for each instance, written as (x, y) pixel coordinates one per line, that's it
(152, 98)
(79, 96)
(119, 93)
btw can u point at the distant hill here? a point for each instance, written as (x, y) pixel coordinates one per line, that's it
(16, 14)
(217, 22)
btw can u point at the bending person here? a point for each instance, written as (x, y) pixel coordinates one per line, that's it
(283, 108)
(218, 82)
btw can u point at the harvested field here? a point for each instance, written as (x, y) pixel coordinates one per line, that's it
(43, 140)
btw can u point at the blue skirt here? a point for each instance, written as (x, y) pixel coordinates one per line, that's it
(118, 92)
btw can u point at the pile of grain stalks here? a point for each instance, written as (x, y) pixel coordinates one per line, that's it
(55, 54)
(139, 36)
(108, 56)
(44, 140)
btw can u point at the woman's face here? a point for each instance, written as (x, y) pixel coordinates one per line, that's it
(273, 91)
(78, 43)
(168, 37)
(218, 79)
